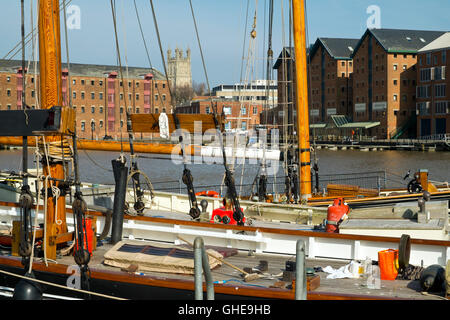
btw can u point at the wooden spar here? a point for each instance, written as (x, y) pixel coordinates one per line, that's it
(301, 93)
(117, 146)
(51, 95)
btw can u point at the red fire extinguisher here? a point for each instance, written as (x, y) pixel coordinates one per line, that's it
(336, 213)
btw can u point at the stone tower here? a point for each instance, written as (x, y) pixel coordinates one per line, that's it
(179, 68)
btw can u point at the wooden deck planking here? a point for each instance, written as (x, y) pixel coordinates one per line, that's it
(397, 289)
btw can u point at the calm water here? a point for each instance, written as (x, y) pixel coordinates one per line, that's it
(95, 167)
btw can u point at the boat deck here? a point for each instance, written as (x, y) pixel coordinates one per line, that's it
(228, 276)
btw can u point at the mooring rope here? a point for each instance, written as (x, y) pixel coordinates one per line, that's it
(61, 286)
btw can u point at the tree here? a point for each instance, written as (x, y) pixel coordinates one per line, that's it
(199, 88)
(183, 94)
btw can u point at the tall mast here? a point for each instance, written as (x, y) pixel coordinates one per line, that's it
(301, 93)
(51, 95)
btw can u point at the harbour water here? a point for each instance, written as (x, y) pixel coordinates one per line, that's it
(95, 168)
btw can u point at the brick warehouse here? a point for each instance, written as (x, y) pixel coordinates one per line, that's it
(377, 98)
(97, 94)
(238, 115)
(385, 79)
(433, 110)
(331, 67)
(329, 79)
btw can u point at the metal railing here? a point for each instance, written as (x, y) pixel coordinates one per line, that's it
(370, 180)
(439, 137)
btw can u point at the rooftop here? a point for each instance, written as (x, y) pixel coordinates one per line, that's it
(443, 42)
(88, 70)
(337, 48)
(401, 41)
(286, 53)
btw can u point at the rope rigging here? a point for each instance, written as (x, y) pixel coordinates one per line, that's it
(79, 206)
(249, 77)
(50, 153)
(262, 183)
(26, 198)
(229, 179)
(187, 178)
(290, 160)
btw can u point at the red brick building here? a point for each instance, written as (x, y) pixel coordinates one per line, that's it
(385, 78)
(331, 68)
(433, 110)
(329, 81)
(97, 93)
(238, 115)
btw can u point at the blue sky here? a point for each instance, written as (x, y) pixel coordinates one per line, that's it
(221, 26)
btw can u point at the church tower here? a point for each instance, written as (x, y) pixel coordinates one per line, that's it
(179, 68)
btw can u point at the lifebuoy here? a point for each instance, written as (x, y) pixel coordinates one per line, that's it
(208, 193)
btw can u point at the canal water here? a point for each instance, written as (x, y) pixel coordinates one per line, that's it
(367, 169)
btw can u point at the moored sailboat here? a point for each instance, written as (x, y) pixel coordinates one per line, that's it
(97, 279)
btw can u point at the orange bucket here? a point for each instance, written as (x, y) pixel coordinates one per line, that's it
(388, 263)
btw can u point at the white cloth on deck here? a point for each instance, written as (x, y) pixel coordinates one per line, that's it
(342, 272)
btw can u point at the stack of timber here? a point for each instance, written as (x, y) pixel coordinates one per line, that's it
(343, 190)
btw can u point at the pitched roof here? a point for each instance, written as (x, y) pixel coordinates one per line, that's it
(337, 48)
(287, 52)
(443, 42)
(401, 41)
(88, 70)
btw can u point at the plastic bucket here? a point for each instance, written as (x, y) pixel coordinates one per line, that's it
(388, 263)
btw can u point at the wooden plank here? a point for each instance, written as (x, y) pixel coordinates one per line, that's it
(329, 289)
(15, 238)
(312, 283)
(344, 190)
(64, 237)
(149, 122)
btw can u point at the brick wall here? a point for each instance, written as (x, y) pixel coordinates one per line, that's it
(90, 98)
(433, 118)
(248, 119)
(393, 75)
(330, 86)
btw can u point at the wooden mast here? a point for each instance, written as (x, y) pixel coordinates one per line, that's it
(51, 95)
(301, 94)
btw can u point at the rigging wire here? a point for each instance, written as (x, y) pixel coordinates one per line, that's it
(187, 176)
(161, 52)
(249, 76)
(113, 11)
(147, 51)
(237, 214)
(17, 48)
